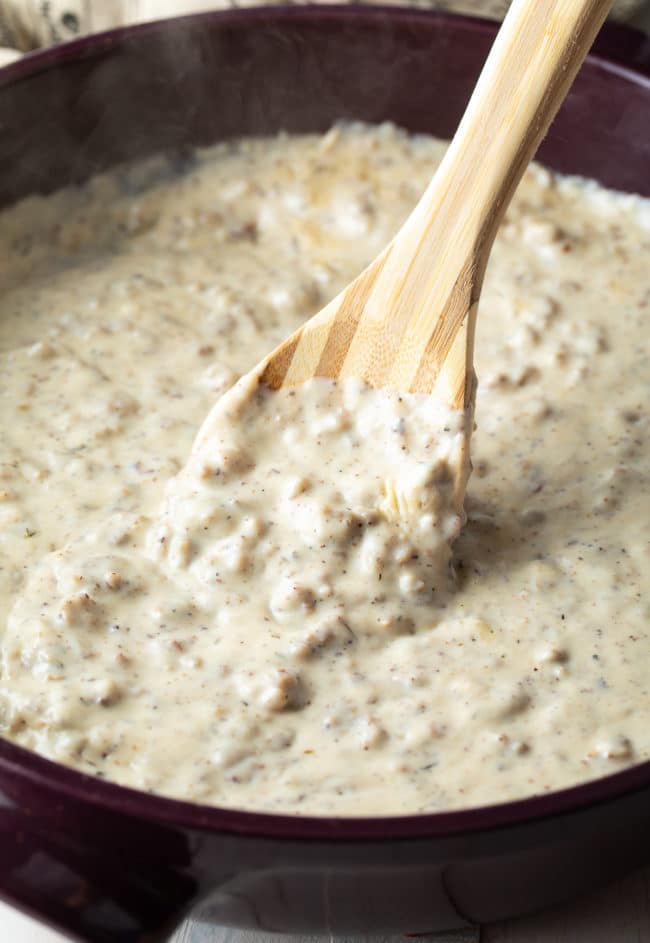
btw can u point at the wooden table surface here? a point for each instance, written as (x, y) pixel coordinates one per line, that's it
(617, 914)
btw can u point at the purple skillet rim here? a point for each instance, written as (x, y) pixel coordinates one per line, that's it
(32, 63)
(173, 812)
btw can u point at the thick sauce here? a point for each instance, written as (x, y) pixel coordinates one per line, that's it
(279, 626)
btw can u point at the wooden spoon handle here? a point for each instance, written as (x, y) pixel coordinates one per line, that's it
(425, 288)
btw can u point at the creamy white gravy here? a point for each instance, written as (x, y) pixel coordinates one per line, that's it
(283, 628)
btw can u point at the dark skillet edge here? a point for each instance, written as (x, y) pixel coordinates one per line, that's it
(90, 46)
(159, 809)
(618, 44)
(619, 48)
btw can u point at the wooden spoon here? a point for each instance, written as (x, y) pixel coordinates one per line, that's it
(407, 322)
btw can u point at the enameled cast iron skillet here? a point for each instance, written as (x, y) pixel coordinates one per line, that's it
(110, 864)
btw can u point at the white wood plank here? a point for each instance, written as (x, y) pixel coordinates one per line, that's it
(193, 932)
(17, 928)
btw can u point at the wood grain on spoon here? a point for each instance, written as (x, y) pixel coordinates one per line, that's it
(407, 322)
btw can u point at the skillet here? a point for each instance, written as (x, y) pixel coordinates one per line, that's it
(105, 863)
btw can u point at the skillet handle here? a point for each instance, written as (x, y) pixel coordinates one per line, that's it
(93, 872)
